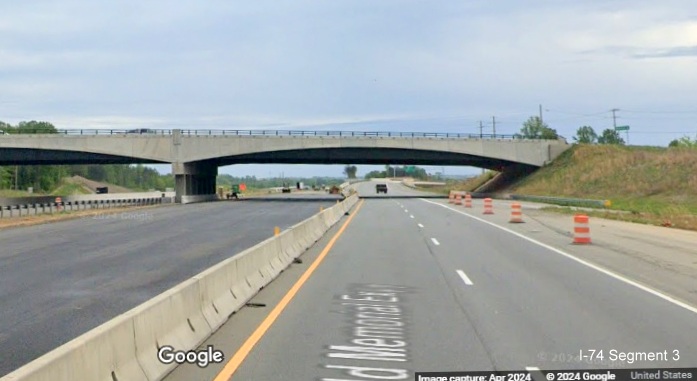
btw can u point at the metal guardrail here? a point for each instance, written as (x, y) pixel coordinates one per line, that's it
(293, 133)
(564, 201)
(21, 210)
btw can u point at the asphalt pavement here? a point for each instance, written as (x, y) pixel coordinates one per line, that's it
(61, 279)
(395, 189)
(414, 285)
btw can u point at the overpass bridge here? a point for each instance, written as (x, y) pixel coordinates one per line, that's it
(195, 155)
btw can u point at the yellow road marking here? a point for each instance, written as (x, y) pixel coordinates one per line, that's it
(254, 338)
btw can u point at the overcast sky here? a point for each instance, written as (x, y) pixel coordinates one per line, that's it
(352, 65)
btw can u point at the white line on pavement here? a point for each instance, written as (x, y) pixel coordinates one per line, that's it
(411, 216)
(406, 211)
(421, 226)
(464, 277)
(581, 261)
(435, 241)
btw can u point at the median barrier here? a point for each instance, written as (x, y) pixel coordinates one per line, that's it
(218, 300)
(106, 352)
(249, 270)
(269, 253)
(125, 348)
(173, 318)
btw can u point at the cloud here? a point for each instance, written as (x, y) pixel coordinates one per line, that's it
(355, 64)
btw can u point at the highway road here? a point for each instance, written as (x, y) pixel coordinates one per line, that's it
(395, 188)
(408, 285)
(59, 280)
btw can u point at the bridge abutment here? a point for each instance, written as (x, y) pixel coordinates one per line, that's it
(194, 182)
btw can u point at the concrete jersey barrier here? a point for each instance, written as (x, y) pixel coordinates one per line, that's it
(125, 348)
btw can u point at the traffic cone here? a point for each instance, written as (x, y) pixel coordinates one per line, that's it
(516, 214)
(582, 230)
(468, 200)
(488, 206)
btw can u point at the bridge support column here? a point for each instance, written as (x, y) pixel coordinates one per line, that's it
(194, 182)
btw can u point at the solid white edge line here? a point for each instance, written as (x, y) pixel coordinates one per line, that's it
(411, 216)
(464, 277)
(421, 226)
(435, 241)
(581, 261)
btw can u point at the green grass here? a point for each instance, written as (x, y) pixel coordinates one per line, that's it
(67, 189)
(16, 193)
(656, 185)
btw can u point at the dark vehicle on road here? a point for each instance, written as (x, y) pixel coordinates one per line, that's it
(381, 188)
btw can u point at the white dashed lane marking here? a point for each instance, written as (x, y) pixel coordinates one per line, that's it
(464, 277)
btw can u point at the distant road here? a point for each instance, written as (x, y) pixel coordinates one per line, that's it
(395, 188)
(296, 196)
(59, 280)
(411, 285)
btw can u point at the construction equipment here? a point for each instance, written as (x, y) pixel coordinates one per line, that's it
(234, 192)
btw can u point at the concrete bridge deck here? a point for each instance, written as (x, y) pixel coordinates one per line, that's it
(196, 154)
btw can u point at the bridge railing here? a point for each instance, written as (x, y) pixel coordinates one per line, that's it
(293, 133)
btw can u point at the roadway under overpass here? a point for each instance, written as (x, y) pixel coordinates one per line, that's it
(195, 155)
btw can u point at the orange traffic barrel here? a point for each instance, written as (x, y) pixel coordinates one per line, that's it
(582, 231)
(59, 203)
(488, 206)
(450, 197)
(516, 213)
(458, 199)
(468, 200)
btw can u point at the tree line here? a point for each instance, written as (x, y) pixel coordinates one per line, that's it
(252, 182)
(45, 178)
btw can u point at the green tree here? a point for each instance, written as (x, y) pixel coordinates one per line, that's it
(610, 136)
(586, 135)
(34, 127)
(5, 178)
(685, 141)
(350, 171)
(535, 128)
(375, 174)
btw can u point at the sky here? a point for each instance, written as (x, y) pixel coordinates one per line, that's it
(361, 65)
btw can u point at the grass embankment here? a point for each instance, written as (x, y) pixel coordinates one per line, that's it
(654, 185)
(69, 189)
(468, 185)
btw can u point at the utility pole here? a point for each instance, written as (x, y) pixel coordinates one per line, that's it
(494, 119)
(614, 118)
(481, 130)
(16, 177)
(541, 120)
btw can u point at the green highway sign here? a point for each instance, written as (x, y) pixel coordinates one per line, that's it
(622, 128)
